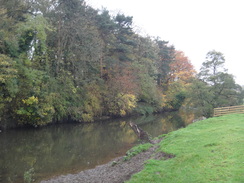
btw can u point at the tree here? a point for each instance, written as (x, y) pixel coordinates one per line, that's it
(166, 56)
(62, 59)
(75, 46)
(200, 97)
(179, 79)
(122, 90)
(181, 68)
(12, 14)
(214, 86)
(212, 68)
(8, 88)
(124, 38)
(106, 27)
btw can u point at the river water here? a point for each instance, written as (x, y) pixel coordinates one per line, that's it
(42, 153)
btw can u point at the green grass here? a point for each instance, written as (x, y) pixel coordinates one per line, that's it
(206, 151)
(136, 150)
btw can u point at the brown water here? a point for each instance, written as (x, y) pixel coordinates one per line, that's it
(70, 148)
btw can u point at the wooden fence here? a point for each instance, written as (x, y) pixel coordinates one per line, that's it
(229, 110)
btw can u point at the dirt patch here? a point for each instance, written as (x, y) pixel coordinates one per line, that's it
(116, 171)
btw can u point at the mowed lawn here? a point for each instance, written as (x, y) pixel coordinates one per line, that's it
(206, 151)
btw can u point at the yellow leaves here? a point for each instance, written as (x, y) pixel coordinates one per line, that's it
(87, 117)
(124, 103)
(92, 104)
(164, 99)
(93, 100)
(30, 100)
(35, 112)
(47, 110)
(131, 101)
(74, 90)
(123, 124)
(122, 112)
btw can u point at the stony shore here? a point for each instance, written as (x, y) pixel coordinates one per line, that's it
(116, 171)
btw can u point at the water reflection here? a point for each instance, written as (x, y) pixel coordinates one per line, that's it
(70, 148)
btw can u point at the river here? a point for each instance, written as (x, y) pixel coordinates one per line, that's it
(45, 152)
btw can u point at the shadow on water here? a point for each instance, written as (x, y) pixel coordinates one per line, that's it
(69, 148)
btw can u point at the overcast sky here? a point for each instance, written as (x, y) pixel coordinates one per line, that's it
(193, 26)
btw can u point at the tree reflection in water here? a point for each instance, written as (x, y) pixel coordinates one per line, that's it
(70, 148)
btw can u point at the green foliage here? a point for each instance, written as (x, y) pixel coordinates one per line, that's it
(28, 175)
(213, 67)
(144, 108)
(33, 35)
(59, 105)
(7, 70)
(92, 103)
(8, 87)
(68, 99)
(200, 96)
(148, 93)
(8, 36)
(178, 100)
(166, 55)
(34, 113)
(175, 95)
(215, 87)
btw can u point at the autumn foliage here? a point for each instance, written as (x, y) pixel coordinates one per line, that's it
(181, 68)
(71, 62)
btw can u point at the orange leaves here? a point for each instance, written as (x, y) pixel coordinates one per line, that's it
(122, 90)
(123, 80)
(181, 68)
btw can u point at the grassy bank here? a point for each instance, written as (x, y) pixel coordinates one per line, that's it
(206, 151)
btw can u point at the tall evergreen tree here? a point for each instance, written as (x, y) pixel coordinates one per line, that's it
(166, 56)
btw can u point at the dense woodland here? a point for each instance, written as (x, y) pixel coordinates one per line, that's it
(62, 60)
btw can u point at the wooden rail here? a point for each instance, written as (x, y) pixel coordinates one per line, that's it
(229, 110)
